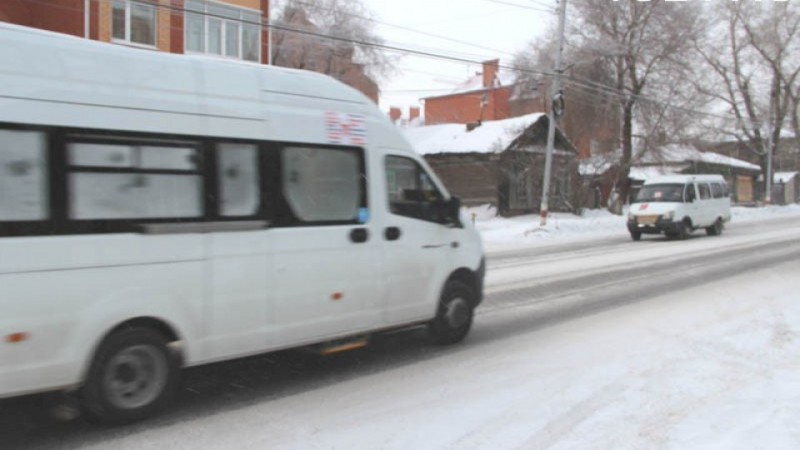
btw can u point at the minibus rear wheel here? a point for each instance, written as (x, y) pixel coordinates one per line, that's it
(133, 376)
(454, 316)
(716, 229)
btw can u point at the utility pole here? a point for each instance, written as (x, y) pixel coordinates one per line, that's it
(768, 176)
(556, 97)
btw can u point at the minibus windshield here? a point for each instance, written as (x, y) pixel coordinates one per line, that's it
(672, 193)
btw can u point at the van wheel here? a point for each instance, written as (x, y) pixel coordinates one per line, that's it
(716, 229)
(636, 235)
(454, 317)
(133, 376)
(684, 230)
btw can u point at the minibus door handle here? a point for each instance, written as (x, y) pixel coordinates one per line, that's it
(359, 235)
(392, 233)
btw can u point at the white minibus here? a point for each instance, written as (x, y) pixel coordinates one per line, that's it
(676, 205)
(160, 211)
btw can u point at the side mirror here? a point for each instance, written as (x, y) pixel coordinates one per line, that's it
(449, 212)
(454, 211)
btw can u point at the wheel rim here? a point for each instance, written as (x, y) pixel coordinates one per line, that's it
(135, 377)
(456, 313)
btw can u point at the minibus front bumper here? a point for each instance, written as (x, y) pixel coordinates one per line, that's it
(659, 226)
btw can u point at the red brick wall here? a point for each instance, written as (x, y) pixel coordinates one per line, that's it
(466, 107)
(490, 69)
(63, 16)
(265, 31)
(395, 113)
(16, 11)
(176, 42)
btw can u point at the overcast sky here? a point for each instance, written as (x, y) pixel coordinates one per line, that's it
(490, 28)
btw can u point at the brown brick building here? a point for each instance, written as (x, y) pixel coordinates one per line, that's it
(229, 28)
(489, 95)
(592, 125)
(232, 29)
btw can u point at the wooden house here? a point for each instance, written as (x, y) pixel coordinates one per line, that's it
(500, 163)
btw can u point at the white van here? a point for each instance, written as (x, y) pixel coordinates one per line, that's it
(160, 211)
(676, 205)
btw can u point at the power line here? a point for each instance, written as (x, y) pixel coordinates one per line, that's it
(586, 83)
(531, 8)
(413, 30)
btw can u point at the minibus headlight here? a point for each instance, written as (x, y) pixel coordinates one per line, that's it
(668, 215)
(631, 217)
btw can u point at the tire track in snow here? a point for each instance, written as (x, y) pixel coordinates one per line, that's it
(681, 270)
(566, 423)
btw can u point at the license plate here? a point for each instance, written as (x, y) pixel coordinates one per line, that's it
(647, 220)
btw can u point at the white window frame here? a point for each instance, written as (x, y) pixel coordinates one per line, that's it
(224, 30)
(127, 39)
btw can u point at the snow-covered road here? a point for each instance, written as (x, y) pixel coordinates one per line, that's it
(579, 345)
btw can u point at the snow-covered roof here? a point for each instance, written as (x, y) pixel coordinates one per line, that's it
(677, 153)
(598, 164)
(781, 177)
(491, 137)
(784, 177)
(644, 173)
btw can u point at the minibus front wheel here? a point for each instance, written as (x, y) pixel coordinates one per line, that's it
(454, 315)
(133, 375)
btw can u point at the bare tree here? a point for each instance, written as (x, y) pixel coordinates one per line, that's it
(328, 36)
(646, 45)
(753, 52)
(589, 120)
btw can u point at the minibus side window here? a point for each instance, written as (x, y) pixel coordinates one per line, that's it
(323, 185)
(689, 195)
(716, 190)
(23, 176)
(114, 180)
(237, 169)
(410, 190)
(705, 192)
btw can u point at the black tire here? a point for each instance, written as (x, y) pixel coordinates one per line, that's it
(716, 229)
(636, 235)
(684, 230)
(133, 376)
(454, 315)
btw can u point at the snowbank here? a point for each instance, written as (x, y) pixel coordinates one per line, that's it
(499, 233)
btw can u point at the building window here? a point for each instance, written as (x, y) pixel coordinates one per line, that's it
(134, 22)
(223, 30)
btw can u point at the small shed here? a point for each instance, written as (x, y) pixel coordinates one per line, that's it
(500, 163)
(785, 187)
